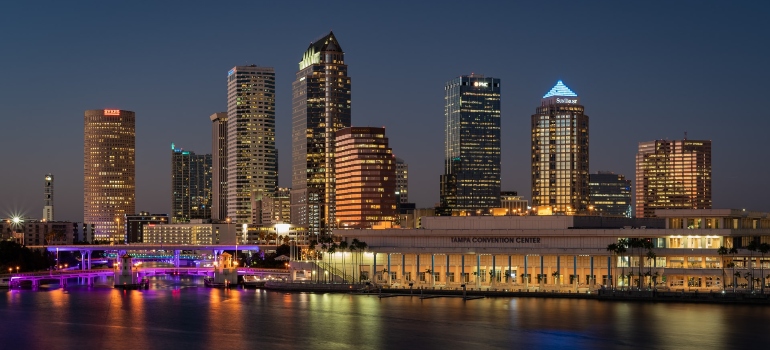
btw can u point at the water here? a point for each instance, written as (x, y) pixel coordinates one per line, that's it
(179, 313)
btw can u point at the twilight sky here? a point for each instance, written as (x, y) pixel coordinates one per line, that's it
(643, 70)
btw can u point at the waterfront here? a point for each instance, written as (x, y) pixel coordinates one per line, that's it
(178, 312)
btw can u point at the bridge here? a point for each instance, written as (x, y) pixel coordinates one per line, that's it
(85, 250)
(89, 275)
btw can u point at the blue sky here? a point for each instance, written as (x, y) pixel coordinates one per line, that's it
(643, 70)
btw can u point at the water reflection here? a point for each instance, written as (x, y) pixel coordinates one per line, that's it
(181, 313)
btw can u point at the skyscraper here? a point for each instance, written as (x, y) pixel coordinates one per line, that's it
(560, 153)
(190, 186)
(320, 107)
(366, 178)
(48, 201)
(109, 171)
(471, 179)
(219, 166)
(402, 181)
(251, 157)
(610, 194)
(673, 175)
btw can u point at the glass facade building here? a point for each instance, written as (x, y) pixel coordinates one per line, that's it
(109, 169)
(320, 107)
(560, 153)
(402, 181)
(673, 175)
(366, 178)
(190, 186)
(252, 163)
(471, 179)
(610, 194)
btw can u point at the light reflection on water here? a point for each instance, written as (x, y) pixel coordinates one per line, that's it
(179, 313)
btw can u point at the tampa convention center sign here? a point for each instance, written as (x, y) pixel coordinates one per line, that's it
(495, 239)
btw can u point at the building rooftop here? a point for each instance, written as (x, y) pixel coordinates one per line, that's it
(560, 90)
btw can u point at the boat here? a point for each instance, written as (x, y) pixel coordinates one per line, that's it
(251, 281)
(209, 282)
(143, 284)
(5, 282)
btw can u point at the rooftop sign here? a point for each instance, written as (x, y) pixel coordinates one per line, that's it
(111, 112)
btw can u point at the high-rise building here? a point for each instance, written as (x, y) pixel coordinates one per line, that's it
(513, 203)
(251, 157)
(402, 181)
(471, 179)
(135, 225)
(219, 166)
(673, 175)
(320, 107)
(366, 178)
(277, 209)
(109, 171)
(560, 153)
(190, 186)
(610, 194)
(48, 200)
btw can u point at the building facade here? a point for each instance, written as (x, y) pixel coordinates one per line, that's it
(673, 175)
(48, 198)
(191, 184)
(191, 234)
(471, 179)
(219, 166)
(135, 224)
(402, 181)
(277, 209)
(610, 194)
(560, 153)
(366, 178)
(109, 171)
(252, 163)
(320, 107)
(513, 204)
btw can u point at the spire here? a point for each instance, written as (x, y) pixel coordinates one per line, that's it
(560, 90)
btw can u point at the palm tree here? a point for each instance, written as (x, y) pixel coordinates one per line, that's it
(622, 249)
(430, 273)
(722, 251)
(752, 247)
(651, 258)
(733, 251)
(764, 248)
(343, 247)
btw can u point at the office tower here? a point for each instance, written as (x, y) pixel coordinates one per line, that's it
(471, 179)
(219, 166)
(610, 194)
(48, 201)
(109, 171)
(135, 225)
(366, 178)
(673, 175)
(251, 157)
(513, 203)
(320, 107)
(277, 209)
(560, 153)
(402, 181)
(190, 186)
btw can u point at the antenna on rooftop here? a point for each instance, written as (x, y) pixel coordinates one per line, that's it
(685, 135)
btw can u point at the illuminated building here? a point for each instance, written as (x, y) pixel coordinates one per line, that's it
(512, 203)
(48, 201)
(610, 194)
(219, 166)
(135, 225)
(673, 175)
(251, 157)
(320, 107)
(471, 179)
(560, 154)
(277, 209)
(190, 186)
(191, 234)
(109, 171)
(402, 181)
(366, 178)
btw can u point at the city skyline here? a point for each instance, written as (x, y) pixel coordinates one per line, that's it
(634, 95)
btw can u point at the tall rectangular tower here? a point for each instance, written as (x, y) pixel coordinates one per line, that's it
(610, 194)
(402, 181)
(219, 166)
(320, 107)
(673, 175)
(251, 158)
(190, 186)
(560, 153)
(48, 201)
(471, 179)
(366, 178)
(109, 188)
